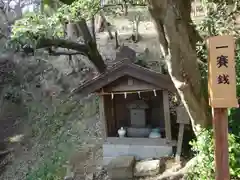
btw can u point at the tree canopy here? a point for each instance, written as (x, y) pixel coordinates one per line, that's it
(35, 27)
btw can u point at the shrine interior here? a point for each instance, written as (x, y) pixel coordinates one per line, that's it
(137, 113)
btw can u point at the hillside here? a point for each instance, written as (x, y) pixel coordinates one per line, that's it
(48, 129)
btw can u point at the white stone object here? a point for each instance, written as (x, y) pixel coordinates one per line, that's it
(121, 132)
(147, 168)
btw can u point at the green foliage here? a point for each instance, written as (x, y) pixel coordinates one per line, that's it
(33, 28)
(220, 20)
(234, 126)
(228, 2)
(238, 66)
(234, 113)
(204, 151)
(79, 9)
(50, 169)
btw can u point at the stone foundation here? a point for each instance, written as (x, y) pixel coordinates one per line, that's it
(140, 148)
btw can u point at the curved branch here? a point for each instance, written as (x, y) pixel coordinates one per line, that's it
(44, 43)
(87, 49)
(60, 53)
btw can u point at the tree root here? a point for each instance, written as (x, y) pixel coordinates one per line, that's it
(177, 172)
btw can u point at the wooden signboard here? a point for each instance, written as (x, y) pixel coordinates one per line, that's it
(222, 92)
(222, 75)
(182, 115)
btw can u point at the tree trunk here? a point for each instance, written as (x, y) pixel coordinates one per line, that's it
(93, 28)
(178, 39)
(104, 24)
(125, 8)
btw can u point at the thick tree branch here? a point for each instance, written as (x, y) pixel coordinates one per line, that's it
(66, 53)
(45, 43)
(88, 49)
(93, 53)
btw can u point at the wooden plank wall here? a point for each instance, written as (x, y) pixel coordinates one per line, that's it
(102, 116)
(110, 115)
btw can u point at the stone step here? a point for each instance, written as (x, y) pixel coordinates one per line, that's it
(121, 168)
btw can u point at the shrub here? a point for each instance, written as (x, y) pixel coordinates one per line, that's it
(50, 169)
(203, 146)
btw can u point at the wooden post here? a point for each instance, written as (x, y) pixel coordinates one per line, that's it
(222, 95)
(102, 116)
(182, 119)
(179, 143)
(167, 121)
(220, 126)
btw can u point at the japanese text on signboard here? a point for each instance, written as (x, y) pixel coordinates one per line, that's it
(221, 69)
(222, 62)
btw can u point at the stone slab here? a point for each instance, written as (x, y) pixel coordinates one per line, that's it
(121, 168)
(122, 162)
(140, 141)
(147, 168)
(139, 151)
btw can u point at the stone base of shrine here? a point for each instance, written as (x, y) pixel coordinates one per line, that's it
(140, 148)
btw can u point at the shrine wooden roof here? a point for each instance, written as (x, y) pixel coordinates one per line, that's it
(126, 68)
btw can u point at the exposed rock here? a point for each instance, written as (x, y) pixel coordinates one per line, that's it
(121, 168)
(90, 176)
(147, 168)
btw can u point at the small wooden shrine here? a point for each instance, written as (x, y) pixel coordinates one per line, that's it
(135, 99)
